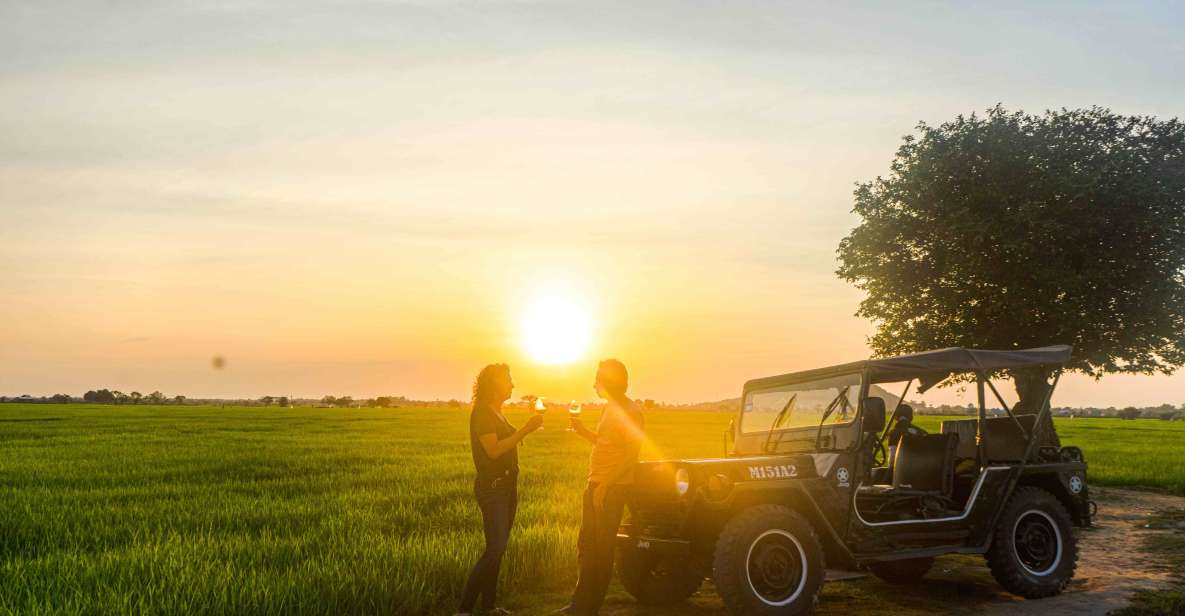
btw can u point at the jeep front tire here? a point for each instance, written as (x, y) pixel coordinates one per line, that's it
(768, 561)
(657, 580)
(1033, 552)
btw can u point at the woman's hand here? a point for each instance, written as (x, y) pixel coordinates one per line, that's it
(534, 423)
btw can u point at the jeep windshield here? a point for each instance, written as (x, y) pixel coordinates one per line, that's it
(827, 401)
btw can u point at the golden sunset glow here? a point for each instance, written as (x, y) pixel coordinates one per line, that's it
(383, 201)
(556, 329)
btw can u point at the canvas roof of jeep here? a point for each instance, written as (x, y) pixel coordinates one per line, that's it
(929, 366)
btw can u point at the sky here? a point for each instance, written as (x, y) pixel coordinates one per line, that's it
(368, 198)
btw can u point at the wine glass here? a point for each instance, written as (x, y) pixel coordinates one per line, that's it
(574, 409)
(540, 408)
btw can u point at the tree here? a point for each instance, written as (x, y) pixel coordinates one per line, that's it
(61, 399)
(266, 400)
(329, 400)
(284, 401)
(156, 398)
(1130, 412)
(136, 397)
(118, 397)
(102, 396)
(179, 399)
(1012, 230)
(344, 401)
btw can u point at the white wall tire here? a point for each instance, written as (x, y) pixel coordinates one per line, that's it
(1033, 552)
(768, 561)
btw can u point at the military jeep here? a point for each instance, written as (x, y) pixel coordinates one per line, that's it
(806, 485)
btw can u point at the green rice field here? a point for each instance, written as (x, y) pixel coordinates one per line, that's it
(209, 510)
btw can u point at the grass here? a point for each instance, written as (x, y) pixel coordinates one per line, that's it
(207, 510)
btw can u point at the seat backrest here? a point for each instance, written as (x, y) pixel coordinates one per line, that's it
(965, 428)
(925, 462)
(1003, 441)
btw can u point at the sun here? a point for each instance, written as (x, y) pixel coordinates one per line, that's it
(556, 329)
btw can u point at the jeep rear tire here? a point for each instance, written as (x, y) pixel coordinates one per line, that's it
(657, 580)
(1033, 552)
(768, 561)
(909, 571)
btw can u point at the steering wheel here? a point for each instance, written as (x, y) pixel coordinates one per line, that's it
(879, 454)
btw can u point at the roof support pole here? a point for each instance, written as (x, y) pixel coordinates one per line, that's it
(1008, 410)
(979, 379)
(1046, 410)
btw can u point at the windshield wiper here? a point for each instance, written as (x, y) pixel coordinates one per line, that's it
(778, 421)
(836, 403)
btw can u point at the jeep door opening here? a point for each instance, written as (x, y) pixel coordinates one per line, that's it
(807, 484)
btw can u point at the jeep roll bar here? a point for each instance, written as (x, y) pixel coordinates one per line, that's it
(930, 368)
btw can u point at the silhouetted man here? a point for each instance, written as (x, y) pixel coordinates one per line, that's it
(616, 444)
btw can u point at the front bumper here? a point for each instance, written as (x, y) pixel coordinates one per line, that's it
(667, 547)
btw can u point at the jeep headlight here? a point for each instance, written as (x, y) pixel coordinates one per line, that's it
(682, 481)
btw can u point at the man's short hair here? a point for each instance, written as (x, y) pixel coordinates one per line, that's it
(612, 375)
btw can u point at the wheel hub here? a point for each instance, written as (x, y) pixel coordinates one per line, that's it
(775, 568)
(1037, 543)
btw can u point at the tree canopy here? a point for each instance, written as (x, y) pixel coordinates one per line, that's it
(1010, 230)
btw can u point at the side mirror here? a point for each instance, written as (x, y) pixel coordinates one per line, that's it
(874, 415)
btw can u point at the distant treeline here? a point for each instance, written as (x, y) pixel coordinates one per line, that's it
(107, 396)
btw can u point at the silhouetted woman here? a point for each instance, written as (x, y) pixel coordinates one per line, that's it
(495, 456)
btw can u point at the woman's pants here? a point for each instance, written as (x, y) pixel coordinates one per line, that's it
(498, 502)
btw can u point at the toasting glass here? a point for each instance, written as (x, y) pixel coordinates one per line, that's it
(574, 409)
(540, 408)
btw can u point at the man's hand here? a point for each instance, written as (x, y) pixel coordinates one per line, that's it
(599, 496)
(534, 423)
(580, 430)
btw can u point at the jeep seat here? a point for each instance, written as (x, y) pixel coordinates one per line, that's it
(924, 466)
(925, 463)
(1003, 441)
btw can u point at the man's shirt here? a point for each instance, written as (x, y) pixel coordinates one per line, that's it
(619, 438)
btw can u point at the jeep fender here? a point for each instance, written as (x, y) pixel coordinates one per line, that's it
(793, 494)
(1061, 480)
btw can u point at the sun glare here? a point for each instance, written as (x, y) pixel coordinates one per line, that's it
(556, 329)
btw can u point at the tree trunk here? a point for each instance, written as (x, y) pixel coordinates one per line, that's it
(1032, 385)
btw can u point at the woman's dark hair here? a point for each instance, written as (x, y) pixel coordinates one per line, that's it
(612, 376)
(483, 386)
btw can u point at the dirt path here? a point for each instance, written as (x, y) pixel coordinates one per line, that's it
(1112, 562)
(1112, 565)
